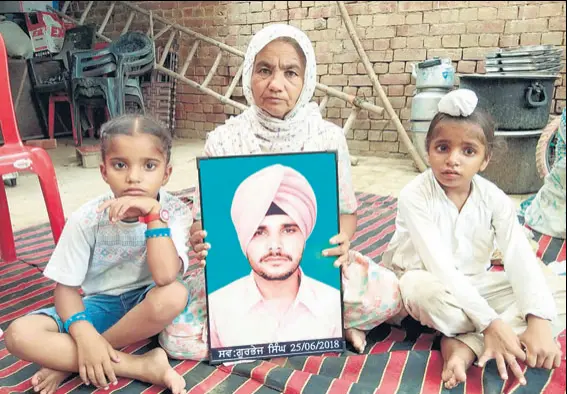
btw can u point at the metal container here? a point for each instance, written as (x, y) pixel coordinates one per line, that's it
(419, 130)
(434, 73)
(424, 103)
(514, 169)
(423, 110)
(516, 102)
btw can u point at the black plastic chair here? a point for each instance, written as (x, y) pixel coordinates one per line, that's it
(131, 56)
(111, 73)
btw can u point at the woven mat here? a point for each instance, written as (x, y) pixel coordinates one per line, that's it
(395, 361)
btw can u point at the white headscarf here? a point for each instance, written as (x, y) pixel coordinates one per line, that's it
(304, 120)
(303, 128)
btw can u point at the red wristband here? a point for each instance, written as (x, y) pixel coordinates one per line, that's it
(163, 215)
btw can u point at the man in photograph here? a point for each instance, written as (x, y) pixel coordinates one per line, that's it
(274, 212)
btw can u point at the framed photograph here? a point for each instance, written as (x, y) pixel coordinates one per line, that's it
(270, 291)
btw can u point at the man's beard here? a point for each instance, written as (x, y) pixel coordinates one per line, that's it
(279, 277)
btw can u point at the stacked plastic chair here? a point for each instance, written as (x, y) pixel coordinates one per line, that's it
(109, 75)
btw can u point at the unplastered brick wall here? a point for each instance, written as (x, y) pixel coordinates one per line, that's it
(395, 35)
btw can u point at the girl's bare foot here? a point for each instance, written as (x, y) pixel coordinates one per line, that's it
(46, 381)
(458, 358)
(159, 372)
(357, 338)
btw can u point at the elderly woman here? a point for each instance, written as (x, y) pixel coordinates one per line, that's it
(279, 78)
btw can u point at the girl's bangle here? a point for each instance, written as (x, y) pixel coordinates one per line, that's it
(158, 232)
(75, 318)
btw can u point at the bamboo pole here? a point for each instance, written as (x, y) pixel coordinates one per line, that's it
(323, 103)
(162, 32)
(373, 77)
(128, 22)
(151, 28)
(234, 81)
(167, 47)
(85, 12)
(206, 90)
(354, 100)
(190, 57)
(106, 18)
(212, 71)
(66, 6)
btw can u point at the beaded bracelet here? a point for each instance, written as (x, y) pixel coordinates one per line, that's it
(158, 232)
(75, 318)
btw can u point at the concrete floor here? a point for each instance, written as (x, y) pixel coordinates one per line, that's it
(78, 185)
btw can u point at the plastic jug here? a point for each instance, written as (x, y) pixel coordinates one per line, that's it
(434, 73)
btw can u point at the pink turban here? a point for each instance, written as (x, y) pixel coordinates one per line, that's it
(277, 184)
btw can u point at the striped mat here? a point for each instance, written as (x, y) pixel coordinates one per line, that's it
(395, 360)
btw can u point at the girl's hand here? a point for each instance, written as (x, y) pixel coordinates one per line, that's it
(129, 207)
(542, 351)
(502, 344)
(343, 242)
(96, 357)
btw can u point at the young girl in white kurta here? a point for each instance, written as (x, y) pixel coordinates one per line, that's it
(448, 220)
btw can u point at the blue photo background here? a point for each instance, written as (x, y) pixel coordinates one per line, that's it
(219, 178)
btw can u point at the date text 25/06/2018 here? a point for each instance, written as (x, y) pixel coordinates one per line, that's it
(280, 349)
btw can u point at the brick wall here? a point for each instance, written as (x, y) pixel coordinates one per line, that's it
(394, 34)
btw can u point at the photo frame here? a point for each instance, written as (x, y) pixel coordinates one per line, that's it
(270, 291)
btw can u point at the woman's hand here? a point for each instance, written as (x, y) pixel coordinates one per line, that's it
(129, 207)
(502, 344)
(198, 244)
(542, 351)
(341, 251)
(359, 269)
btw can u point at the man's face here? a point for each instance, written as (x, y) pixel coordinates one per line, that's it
(276, 249)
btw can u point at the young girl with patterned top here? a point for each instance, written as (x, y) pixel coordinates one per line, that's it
(126, 250)
(448, 221)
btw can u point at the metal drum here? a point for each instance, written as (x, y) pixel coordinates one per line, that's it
(512, 167)
(424, 104)
(434, 79)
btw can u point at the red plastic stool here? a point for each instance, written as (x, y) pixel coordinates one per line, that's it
(59, 98)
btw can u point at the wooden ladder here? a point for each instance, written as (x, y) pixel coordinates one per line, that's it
(180, 32)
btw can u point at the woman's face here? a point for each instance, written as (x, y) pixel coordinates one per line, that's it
(277, 78)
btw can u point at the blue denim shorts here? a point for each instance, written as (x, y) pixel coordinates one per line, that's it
(103, 310)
